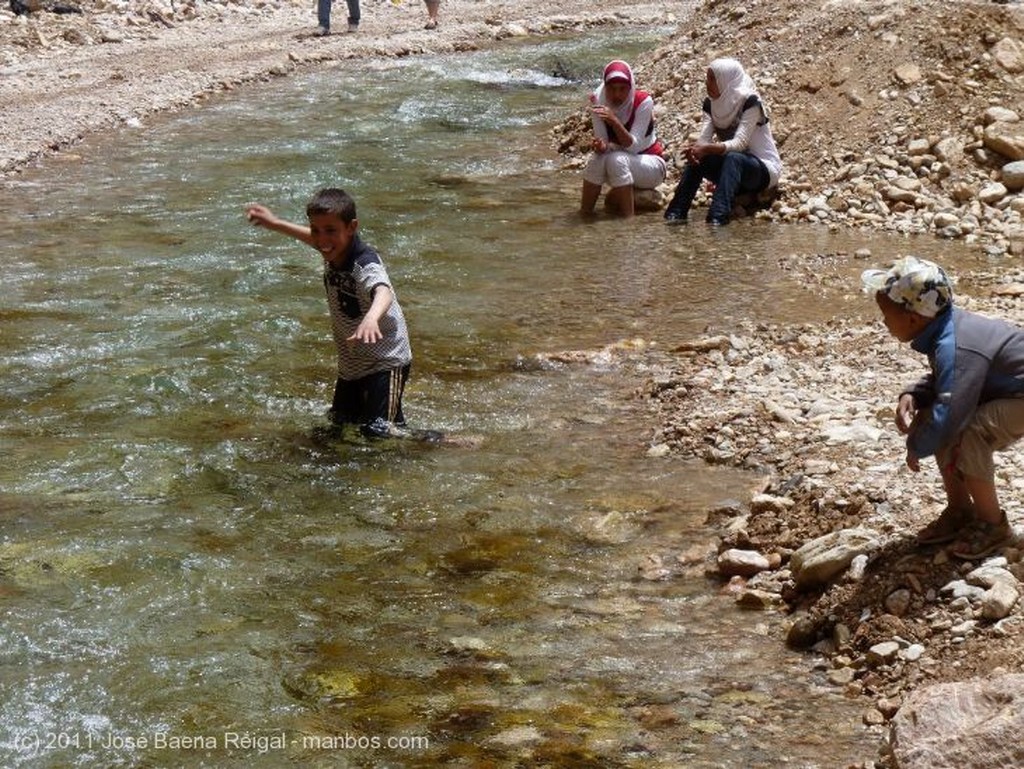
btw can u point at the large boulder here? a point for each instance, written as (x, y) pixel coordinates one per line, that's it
(819, 561)
(1006, 138)
(1009, 54)
(972, 724)
(1013, 175)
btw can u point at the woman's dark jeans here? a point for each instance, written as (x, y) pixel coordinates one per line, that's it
(732, 173)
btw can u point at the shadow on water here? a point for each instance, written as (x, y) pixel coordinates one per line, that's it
(185, 553)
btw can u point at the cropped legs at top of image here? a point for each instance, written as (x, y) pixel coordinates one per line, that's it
(432, 8)
(323, 13)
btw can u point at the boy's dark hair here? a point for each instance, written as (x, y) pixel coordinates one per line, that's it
(332, 200)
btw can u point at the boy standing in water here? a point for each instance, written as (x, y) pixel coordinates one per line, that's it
(369, 328)
(970, 404)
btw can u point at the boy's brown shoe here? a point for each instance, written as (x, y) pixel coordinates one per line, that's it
(945, 528)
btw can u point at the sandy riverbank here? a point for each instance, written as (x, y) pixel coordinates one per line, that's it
(64, 76)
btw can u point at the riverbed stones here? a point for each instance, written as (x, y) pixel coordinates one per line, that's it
(918, 147)
(974, 724)
(1013, 175)
(517, 737)
(802, 634)
(908, 73)
(1009, 54)
(1006, 138)
(758, 600)
(897, 602)
(882, 653)
(841, 676)
(768, 503)
(912, 653)
(949, 150)
(819, 561)
(990, 573)
(998, 601)
(856, 432)
(992, 193)
(743, 563)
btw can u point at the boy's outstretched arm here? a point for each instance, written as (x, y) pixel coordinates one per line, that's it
(262, 216)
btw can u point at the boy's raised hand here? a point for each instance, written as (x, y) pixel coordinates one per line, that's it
(259, 215)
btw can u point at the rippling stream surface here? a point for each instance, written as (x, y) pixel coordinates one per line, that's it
(194, 573)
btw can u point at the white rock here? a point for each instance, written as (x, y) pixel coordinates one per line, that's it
(1013, 175)
(743, 563)
(1006, 138)
(973, 724)
(820, 560)
(918, 147)
(513, 30)
(1009, 54)
(992, 193)
(958, 588)
(762, 503)
(949, 150)
(999, 601)
(912, 653)
(999, 115)
(882, 652)
(857, 432)
(989, 574)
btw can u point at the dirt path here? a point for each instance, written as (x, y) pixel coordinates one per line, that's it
(64, 76)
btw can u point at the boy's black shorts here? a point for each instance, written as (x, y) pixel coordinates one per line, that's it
(373, 397)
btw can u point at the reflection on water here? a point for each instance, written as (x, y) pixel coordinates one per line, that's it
(187, 556)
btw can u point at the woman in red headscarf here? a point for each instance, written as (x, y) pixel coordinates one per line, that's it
(627, 153)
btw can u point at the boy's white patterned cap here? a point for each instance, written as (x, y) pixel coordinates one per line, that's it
(914, 284)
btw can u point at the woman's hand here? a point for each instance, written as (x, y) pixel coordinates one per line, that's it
(695, 153)
(599, 145)
(605, 114)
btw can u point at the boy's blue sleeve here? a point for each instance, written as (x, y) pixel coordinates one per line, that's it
(959, 379)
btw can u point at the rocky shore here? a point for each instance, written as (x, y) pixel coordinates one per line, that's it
(906, 117)
(828, 540)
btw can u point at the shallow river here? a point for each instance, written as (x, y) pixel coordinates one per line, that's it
(194, 573)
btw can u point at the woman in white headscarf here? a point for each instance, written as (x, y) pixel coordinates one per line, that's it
(735, 149)
(627, 152)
